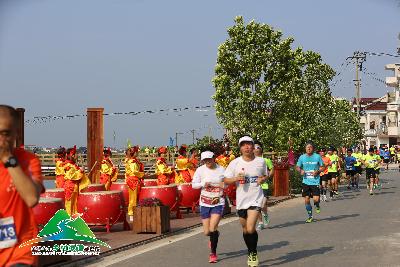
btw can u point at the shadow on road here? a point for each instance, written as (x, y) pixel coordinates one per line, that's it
(243, 252)
(332, 218)
(384, 193)
(296, 255)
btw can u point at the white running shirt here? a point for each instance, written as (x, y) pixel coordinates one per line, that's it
(203, 175)
(247, 194)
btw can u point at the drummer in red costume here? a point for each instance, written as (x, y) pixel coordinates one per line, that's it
(59, 171)
(75, 181)
(165, 174)
(225, 158)
(134, 172)
(182, 167)
(108, 172)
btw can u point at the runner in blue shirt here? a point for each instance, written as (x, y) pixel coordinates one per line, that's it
(310, 165)
(349, 162)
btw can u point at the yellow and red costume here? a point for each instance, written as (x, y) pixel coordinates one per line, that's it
(134, 172)
(165, 174)
(224, 160)
(108, 173)
(184, 170)
(60, 172)
(75, 181)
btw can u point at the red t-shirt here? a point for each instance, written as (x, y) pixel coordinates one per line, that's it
(11, 204)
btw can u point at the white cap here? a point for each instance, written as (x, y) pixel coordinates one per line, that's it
(206, 155)
(246, 139)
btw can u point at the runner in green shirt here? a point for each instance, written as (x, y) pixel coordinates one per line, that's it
(371, 161)
(333, 171)
(359, 156)
(263, 218)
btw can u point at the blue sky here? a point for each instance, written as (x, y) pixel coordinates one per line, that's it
(60, 57)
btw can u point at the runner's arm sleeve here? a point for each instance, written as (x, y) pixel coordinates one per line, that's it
(197, 182)
(230, 170)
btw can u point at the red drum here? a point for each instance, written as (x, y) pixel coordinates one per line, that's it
(189, 197)
(54, 193)
(46, 208)
(168, 194)
(101, 208)
(123, 187)
(94, 188)
(149, 182)
(230, 193)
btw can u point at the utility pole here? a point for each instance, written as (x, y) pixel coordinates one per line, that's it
(209, 134)
(176, 138)
(193, 131)
(359, 58)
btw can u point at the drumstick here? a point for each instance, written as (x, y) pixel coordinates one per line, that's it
(94, 165)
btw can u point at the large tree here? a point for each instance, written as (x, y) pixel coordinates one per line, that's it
(269, 90)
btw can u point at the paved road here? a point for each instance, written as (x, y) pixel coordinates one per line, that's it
(354, 229)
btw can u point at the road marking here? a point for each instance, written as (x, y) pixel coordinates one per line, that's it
(127, 254)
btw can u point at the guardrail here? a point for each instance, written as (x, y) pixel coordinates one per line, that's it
(149, 160)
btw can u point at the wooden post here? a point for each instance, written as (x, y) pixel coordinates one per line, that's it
(95, 141)
(281, 181)
(20, 127)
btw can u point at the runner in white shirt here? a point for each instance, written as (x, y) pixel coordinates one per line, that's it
(248, 172)
(210, 178)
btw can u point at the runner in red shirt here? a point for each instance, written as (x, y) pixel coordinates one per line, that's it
(21, 185)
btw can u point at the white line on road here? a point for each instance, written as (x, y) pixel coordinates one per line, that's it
(127, 254)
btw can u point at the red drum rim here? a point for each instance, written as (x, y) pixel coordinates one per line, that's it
(91, 185)
(55, 190)
(102, 192)
(158, 186)
(49, 200)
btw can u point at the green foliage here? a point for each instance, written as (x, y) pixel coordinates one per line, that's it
(273, 92)
(208, 143)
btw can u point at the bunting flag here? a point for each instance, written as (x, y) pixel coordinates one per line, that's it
(45, 119)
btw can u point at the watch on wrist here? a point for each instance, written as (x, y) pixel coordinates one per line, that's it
(12, 162)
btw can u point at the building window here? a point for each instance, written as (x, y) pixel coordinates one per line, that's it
(372, 125)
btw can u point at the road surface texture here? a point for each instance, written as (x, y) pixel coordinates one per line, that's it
(354, 229)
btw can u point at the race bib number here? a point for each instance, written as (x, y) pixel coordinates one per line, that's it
(8, 235)
(349, 167)
(211, 195)
(309, 174)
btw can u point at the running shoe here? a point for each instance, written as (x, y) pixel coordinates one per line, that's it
(265, 219)
(213, 258)
(348, 187)
(317, 210)
(252, 260)
(371, 192)
(309, 220)
(260, 226)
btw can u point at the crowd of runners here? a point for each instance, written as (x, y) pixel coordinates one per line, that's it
(322, 171)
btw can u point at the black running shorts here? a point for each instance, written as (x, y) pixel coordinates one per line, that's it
(310, 190)
(370, 173)
(243, 212)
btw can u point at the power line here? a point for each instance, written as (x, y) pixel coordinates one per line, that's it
(49, 118)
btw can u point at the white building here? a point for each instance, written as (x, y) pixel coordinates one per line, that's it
(380, 116)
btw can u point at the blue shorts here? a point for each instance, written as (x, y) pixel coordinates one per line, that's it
(205, 212)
